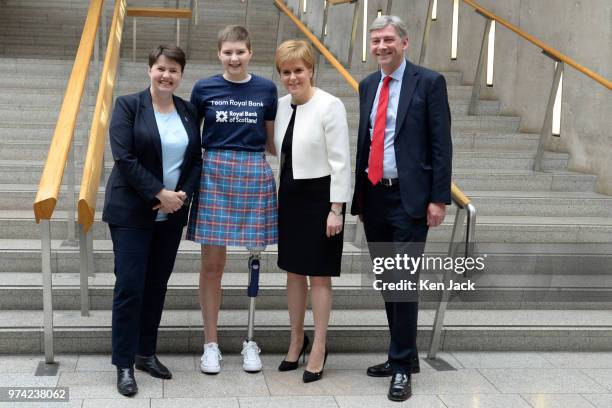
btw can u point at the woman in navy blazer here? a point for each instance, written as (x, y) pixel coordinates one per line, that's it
(156, 146)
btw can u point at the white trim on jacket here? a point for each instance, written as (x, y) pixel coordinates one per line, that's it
(320, 141)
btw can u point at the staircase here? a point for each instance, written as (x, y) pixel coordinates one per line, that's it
(525, 218)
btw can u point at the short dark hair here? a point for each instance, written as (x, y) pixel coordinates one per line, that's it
(170, 51)
(234, 33)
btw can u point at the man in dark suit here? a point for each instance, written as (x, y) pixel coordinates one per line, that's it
(402, 175)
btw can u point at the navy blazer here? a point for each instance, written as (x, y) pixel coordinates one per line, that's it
(138, 175)
(423, 147)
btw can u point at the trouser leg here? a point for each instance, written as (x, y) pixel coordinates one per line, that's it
(164, 246)
(131, 249)
(386, 222)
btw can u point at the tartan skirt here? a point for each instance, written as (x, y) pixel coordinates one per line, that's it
(236, 205)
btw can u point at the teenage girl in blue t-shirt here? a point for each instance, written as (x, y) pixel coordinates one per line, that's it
(237, 200)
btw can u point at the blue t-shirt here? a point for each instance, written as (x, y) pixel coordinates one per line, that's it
(234, 113)
(174, 141)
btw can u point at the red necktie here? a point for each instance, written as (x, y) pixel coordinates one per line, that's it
(377, 148)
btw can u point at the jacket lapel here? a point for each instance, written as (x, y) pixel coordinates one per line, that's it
(369, 104)
(409, 84)
(149, 117)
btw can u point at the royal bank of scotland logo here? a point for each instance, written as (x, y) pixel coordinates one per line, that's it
(221, 116)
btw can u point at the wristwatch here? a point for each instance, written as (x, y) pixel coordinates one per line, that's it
(337, 211)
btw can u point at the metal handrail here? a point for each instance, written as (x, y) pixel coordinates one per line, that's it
(57, 158)
(466, 211)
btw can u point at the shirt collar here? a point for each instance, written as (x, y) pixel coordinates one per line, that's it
(398, 74)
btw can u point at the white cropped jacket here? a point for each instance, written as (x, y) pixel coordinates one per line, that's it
(320, 141)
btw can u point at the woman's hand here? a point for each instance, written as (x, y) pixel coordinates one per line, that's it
(334, 223)
(170, 201)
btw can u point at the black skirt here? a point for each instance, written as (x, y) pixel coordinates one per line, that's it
(303, 208)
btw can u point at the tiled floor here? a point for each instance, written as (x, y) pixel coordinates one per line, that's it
(481, 380)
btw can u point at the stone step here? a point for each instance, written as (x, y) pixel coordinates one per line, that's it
(68, 51)
(502, 259)
(542, 203)
(463, 156)
(194, 70)
(23, 291)
(203, 47)
(483, 159)
(19, 224)
(19, 107)
(29, 172)
(461, 124)
(523, 180)
(33, 150)
(359, 330)
(19, 81)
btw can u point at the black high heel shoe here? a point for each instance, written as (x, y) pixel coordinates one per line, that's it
(293, 365)
(309, 376)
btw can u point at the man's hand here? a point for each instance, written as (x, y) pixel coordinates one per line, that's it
(435, 214)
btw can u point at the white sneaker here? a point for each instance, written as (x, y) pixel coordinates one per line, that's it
(209, 363)
(250, 354)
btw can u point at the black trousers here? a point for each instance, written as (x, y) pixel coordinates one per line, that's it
(144, 259)
(386, 221)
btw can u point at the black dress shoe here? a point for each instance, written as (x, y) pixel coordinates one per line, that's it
(309, 376)
(153, 366)
(400, 388)
(126, 383)
(385, 370)
(380, 370)
(293, 365)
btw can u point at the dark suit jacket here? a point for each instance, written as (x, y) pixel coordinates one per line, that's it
(423, 147)
(137, 175)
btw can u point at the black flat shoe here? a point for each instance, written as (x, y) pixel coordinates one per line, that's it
(309, 376)
(400, 388)
(153, 366)
(126, 383)
(293, 365)
(385, 370)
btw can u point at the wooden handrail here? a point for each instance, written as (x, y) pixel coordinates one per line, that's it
(53, 173)
(538, 43)
(322, 49)
(458, 196)
(92, 168)
(159, 12)
(336, 2)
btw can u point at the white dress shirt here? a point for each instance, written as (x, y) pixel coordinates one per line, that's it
(395, 86)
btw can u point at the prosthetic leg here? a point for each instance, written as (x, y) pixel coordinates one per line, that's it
(250, 351)
(253, 288)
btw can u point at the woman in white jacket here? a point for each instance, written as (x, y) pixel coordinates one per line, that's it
(311, 134)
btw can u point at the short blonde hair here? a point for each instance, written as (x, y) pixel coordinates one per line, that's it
(293, 50)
